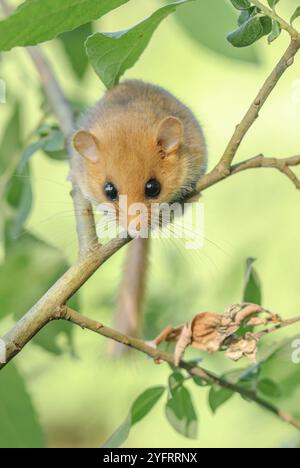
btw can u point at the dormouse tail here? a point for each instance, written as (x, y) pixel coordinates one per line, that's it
(131, 294)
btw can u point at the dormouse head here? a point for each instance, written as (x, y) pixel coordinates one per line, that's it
(138, 161)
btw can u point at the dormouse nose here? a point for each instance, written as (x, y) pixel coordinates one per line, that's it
(134, 217)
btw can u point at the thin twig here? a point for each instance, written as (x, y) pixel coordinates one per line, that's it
(7, 9)
(85, 223)
(260, 161)
(253, 112)
(277, 327)
(282, 164)
(71, 315)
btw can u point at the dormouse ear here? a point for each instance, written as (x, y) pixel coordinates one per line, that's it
(169, 135)
(86, 145)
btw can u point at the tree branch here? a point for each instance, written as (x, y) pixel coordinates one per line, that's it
(71, 315)
(253, 112)
(42, 312)
(77, 275)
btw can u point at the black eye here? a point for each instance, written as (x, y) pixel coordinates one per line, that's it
(152, 188)
(110, 191)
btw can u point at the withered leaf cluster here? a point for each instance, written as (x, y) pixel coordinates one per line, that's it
(212, 332)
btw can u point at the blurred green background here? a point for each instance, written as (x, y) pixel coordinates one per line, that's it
(81, 395)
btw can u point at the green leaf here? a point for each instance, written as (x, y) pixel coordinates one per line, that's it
(200, 382)
(34, 266)
(275, 33)
(52, 142)
(18, 191)
(20, 427)
(145, 402)
(57, 155)
(252, 289)
(140, 408)
(11, 141)
(266, 24)
(295, 15)
(175, 381)
(19, 198)
(181, 414)
(272, 3)
(111, 54)
(54, 145)
(37, 21)
(245, 15)
(73, 43)
(282, 368)
(244, 378)
(269, 387)
(10, 149)
(29, 152)
(119, 436)
(208, 28)
(218, 396)
(55, 141)
(241, 4)
(251, 373)
(250, 31)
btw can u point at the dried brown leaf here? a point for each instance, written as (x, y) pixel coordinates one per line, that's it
(183, 342)
(243, 347)
(207, 333)
(213, 332)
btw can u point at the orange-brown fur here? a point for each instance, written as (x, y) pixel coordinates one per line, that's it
(124, 124)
